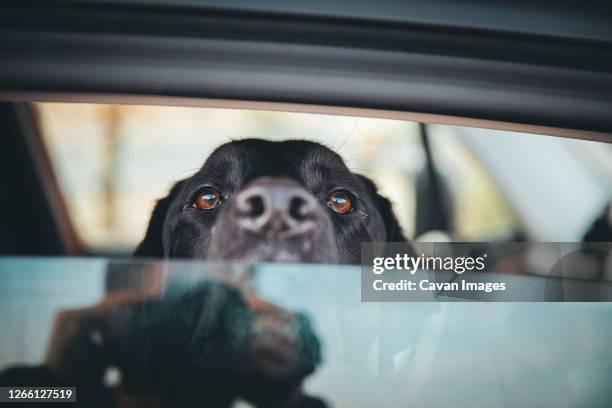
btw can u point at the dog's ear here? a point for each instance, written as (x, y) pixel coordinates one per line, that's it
(152, 244)
(392, 228)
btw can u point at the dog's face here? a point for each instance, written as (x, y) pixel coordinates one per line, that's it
(255, 200)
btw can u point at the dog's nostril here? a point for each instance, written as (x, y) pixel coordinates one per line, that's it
(256, 206)
(298, 209)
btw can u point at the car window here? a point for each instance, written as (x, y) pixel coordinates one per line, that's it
(114, 161)
(163, 330)
(371, 353)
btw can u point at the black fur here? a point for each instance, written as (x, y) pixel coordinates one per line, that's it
(178, 230)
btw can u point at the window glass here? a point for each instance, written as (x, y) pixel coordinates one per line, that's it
(525, 186)
(114, 161)
(480, 211)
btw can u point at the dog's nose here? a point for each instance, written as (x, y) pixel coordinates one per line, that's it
(277, 205)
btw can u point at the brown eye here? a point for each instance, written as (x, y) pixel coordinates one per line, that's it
(340, 202)
(207, 199)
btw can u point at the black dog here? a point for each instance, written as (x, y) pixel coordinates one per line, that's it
(257, 200)
(254, 200)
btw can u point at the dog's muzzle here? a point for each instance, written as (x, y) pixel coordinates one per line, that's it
(274, 219)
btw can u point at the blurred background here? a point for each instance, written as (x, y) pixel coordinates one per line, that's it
(113, 162)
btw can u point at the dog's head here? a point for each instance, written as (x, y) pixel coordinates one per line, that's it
(256, 200)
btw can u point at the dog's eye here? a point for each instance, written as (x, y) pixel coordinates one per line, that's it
(340, 202)
(207, 198)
